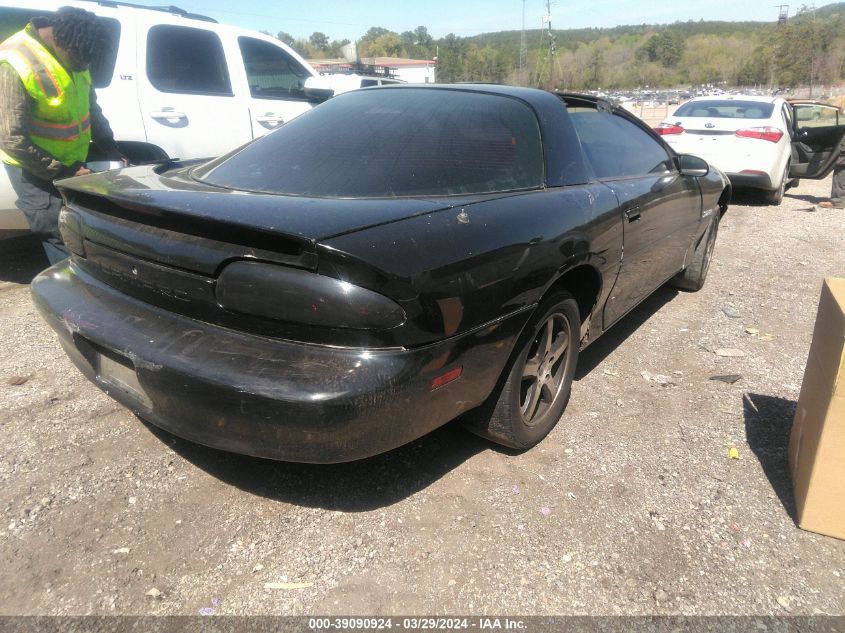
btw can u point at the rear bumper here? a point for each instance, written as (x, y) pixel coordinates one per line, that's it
(751, 181)
(262, 396)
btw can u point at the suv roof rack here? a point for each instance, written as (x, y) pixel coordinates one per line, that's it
(166, 9)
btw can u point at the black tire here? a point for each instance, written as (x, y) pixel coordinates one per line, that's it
(692, 277)
(774, 198)
(536, 388)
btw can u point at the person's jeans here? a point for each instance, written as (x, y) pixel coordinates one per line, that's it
(837, 190)
(41, 204)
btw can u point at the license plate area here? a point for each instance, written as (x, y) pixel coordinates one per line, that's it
(118, 372)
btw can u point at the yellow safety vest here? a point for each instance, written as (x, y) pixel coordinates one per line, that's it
(61, 119)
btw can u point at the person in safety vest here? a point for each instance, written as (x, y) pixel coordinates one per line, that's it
(49, 114)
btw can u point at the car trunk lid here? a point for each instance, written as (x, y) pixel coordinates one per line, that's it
(171, 205)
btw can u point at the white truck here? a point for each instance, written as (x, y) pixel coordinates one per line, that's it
(178, 85)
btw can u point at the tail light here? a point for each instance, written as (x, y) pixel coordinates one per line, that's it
(290, 294)
(665, 129)
(763, 133)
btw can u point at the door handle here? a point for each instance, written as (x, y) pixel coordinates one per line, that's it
(633, 214)
(270, 121)
(167, 113)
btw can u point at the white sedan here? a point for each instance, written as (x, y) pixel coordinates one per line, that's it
(763, 143)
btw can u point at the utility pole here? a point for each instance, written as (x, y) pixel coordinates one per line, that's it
(813, 49)
(523, 51)
(783, 17)
(552, 44)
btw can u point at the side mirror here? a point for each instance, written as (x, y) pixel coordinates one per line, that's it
(690, 165)
(316, 89)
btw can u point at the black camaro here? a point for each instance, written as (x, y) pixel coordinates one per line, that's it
(382, 264)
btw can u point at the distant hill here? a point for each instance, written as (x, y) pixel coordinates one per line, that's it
(830, 9)
(807, 50)
(571, 38)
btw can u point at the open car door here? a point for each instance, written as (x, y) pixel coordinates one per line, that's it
(817, 135)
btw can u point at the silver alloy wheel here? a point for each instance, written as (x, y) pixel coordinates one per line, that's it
(544, 369)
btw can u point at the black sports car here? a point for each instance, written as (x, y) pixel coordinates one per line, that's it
(384, 263)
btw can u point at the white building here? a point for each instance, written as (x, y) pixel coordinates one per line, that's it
(414, 71)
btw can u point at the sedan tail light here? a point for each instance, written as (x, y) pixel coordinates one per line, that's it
(665, 129)
(763, 133)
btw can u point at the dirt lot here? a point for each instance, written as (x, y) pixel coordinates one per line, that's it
(631, 506)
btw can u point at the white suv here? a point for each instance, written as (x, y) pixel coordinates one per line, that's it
(178, 85)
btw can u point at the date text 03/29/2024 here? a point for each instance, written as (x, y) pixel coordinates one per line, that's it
(417, 624)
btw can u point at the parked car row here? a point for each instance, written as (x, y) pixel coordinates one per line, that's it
(761, 143)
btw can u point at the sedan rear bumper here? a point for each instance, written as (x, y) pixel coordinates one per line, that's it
(751, 181)
(262, 396)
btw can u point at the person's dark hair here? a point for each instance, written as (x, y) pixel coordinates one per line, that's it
(78, 32)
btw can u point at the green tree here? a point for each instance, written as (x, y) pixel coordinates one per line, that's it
(666, 48)
(335, 46)
(287, 38)
(374, 32)
(319, 40)
(388, 45)
(450, 62)
(421, 37)
(483, 65)
(802, 45)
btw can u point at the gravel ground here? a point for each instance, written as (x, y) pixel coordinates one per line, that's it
(630, 506)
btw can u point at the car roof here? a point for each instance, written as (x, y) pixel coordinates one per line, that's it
(106, 7)
(170, 15)
(534, 96)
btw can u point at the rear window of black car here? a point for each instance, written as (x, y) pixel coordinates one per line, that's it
(727, 109)
(384, 143)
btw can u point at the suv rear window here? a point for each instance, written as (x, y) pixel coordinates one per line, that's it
(13, 20)
(382, 143)
(187, 60)
(727, 109)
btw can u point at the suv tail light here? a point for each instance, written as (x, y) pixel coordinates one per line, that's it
(665, 129)
(763, 133)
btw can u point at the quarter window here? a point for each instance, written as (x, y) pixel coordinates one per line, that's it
(187, 60)
(615, 147)
(271, 72)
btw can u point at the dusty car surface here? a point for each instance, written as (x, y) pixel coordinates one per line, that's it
(391, 260)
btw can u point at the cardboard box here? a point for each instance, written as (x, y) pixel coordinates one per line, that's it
(817, 442)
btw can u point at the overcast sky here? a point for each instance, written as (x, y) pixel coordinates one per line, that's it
(350, 19)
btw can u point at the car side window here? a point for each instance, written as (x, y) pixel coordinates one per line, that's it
(13, 20)
(615, 147)
(271, 72)
(366, 83)
(187, 60)
(808, 115)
